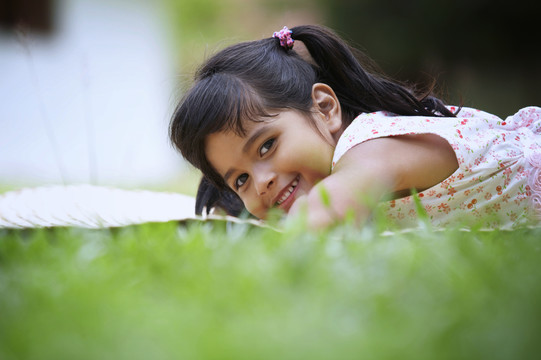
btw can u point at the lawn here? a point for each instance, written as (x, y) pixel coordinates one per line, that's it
(216, 291)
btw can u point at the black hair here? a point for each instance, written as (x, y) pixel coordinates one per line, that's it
(209, 197)
(248, 80)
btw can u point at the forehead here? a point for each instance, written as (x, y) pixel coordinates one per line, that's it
(222, 141)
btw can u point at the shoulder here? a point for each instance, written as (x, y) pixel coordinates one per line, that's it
(401, 162)
(364, 127)
(381, 124)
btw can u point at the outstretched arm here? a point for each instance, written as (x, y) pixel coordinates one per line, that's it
(378, 168)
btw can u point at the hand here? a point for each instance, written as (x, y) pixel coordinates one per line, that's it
(316, 214)
(300, 205)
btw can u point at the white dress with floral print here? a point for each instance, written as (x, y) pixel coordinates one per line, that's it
(498, 180)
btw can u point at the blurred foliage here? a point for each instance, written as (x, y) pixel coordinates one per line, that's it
(217, 291)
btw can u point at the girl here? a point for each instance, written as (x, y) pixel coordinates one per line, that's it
(280, 128)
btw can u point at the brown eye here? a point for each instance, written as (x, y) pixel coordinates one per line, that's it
(266, 147)
(241, 180)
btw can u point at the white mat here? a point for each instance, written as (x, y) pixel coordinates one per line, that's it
(90, 207)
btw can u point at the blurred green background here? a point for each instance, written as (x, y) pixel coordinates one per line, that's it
(88, 87)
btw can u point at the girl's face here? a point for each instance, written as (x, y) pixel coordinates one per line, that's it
(278, 160)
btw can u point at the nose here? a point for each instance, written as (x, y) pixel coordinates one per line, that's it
(264, 178)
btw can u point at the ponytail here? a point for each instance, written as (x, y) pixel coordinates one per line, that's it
(358, 90)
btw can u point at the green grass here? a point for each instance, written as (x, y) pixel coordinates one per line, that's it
(157, 291)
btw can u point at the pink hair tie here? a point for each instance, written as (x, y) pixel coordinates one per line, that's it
(285, 38)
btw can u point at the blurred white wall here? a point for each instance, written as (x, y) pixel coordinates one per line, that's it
(102, 86)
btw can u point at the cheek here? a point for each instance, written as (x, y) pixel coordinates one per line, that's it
(317, 160)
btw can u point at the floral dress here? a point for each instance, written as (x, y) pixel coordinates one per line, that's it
(498, 180)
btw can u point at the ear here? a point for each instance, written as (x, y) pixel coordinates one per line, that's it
(325, 102)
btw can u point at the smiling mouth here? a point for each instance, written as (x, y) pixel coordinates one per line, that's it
(288, 192)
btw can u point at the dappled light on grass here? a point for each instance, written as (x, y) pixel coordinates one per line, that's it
(237, 291)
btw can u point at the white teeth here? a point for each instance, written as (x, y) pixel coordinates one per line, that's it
(288, 191)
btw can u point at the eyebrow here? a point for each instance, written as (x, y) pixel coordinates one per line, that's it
(249, 143)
